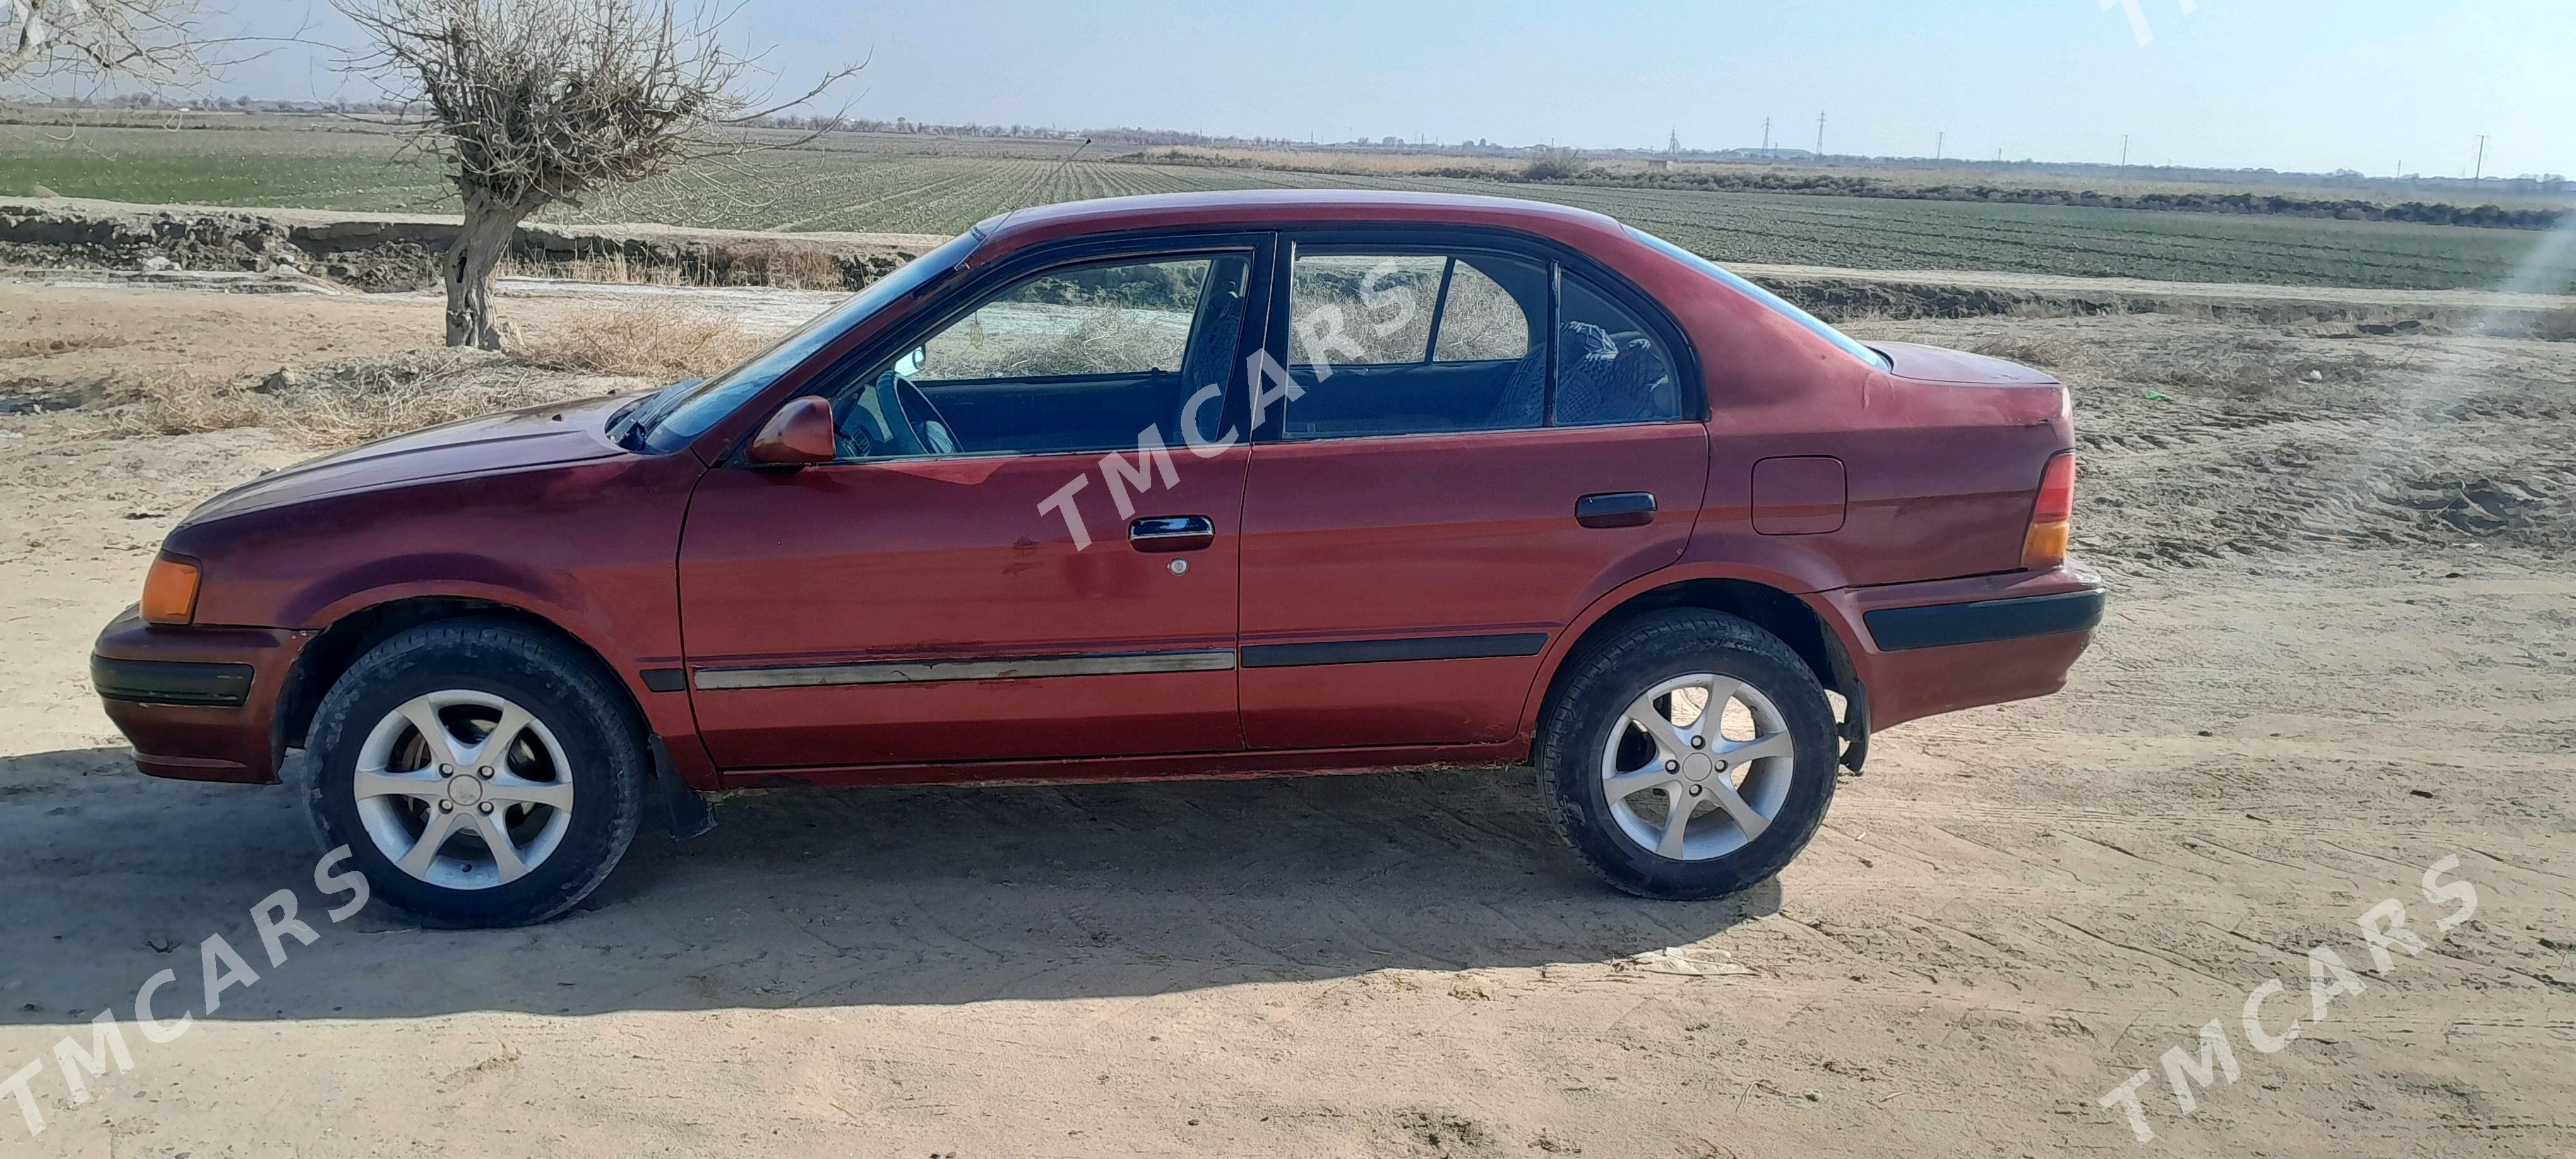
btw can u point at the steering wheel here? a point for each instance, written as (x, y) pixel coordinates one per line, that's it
(892, 418)
(929, 427)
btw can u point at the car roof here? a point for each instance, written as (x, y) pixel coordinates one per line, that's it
(1257, 208)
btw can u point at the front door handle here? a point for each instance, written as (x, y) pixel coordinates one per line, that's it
(1171, 533)
(1615, 509)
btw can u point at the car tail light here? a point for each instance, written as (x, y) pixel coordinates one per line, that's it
(170, 591)
(2045, 544)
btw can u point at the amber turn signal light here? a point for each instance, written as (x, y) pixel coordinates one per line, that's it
(170, 591)
(2044, 545)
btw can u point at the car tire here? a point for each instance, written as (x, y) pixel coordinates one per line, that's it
(564, 791)
(1743, 819)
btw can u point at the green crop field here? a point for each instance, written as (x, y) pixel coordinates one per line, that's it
(935, 185)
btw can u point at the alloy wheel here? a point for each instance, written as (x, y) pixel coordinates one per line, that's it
(464, 789)
(1697, 767)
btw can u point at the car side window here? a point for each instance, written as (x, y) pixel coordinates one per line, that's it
(1070, 360)
(1362, 309)
(1412, 343)
(1480, 320)
(1610, 368)
(1131, 318)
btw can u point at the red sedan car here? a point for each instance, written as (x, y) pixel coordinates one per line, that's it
(1205, 485)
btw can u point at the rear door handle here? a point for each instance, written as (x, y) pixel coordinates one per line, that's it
(1171, 533)
(1615, 509)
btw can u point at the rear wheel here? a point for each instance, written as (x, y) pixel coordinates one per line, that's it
(481, 773)
(1688, 755)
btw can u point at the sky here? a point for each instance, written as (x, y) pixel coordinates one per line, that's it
(2310, 85)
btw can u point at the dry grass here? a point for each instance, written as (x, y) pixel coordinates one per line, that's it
(609, 267)
(642, 340)
(789, 267)
(1337, 161)
(336, 404)
(785, 264)
(2039, 352)
(352, 402)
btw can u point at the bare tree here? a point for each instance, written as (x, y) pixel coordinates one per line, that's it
(154, 41)
(534, 103)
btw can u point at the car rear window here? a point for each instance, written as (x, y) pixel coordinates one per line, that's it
(1777, 304)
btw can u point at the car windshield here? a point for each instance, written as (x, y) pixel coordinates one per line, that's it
(668, 420)
(1845, 342)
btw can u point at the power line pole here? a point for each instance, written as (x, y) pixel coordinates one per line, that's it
(1820, 134)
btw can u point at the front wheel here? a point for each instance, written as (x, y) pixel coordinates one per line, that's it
(482, 774)
(1688, 755)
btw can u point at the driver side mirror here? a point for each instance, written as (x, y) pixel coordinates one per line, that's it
(800, 434)
(911, 364)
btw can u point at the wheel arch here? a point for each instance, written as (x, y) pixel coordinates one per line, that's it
(359, 630)
(1798, 622)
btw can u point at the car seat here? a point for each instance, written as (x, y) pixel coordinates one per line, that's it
(1621, 379)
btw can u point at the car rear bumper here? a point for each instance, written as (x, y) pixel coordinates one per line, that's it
(199, 704)
(1928, 648)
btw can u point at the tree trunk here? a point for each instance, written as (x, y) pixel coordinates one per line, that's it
(467, 270)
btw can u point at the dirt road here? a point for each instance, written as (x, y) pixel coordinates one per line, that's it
(2338, 651)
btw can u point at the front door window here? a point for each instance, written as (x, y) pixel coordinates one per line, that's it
(1071, 360)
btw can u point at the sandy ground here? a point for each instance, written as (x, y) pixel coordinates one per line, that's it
(2339, 650)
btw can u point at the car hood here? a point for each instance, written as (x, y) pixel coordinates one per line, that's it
(538, 436)
(1941, 364)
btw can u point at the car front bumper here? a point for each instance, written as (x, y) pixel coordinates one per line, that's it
(198, 703)
(1927, 648)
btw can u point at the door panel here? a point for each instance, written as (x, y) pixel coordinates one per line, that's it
(927, 610)
(935, 608)
(1402, 542)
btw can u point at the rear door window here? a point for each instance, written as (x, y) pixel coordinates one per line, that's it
(1385, 343)
(1363, 309)
(1480, 320)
